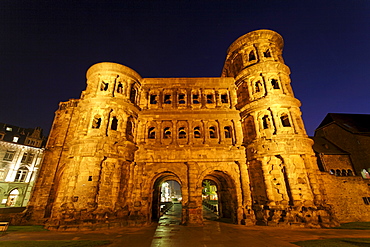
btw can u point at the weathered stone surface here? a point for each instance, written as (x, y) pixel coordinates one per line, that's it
(109, 151)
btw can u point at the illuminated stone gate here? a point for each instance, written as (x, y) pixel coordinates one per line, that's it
(109, 151)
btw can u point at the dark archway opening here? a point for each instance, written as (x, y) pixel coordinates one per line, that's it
(166, 195)
(219, 198)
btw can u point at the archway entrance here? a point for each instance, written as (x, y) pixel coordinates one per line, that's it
(166, 194)
(219, 197)
(12, 198)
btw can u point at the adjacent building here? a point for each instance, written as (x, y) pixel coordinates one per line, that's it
(21, 152)
(342, 144)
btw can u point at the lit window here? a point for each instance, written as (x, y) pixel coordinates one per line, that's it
(15, 139)
(9, 129)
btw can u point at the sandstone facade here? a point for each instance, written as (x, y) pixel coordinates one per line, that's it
(109, 151)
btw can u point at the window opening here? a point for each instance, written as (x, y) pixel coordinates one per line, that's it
(257, 87)
(15, 138)
(151, 133)
(9, 155)
(252, 56)
(27, 158)
(130, 129)
(224, 98)
(167, 133)
(182, 98)
(227, 132)
(275, 84)
(153, 99)
(285, 120)
(104, 86)
(96, 122)
(9, 129)
(2, 136)
(197, 132)
(90, 178)
(167, 99)
(349, 172)
(120, 88)
(133, 94)
(332, 172)
(212, 132)
(114, 124)
(195, 98)
(265, 122)
(344, 172)
(21, 175)
(182, 133)
(267, 53)
(338, 173)
(366, 200)
(209, 98)
(12, 198)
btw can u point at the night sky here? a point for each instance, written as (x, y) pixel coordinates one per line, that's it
(47, 46)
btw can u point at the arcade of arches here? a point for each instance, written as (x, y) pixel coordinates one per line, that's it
(239, 138)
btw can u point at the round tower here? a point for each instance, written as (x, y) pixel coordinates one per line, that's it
(282, 165)
(93, 182)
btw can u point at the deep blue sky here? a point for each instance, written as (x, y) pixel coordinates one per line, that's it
(47, 46)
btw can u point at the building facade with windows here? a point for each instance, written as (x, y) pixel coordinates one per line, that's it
(109, 151)
(21, 152)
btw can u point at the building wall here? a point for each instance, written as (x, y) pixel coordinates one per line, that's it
(19, 164)
(345, 195)
(109, 151)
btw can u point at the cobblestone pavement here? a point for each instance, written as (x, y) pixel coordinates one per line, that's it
(169, 233)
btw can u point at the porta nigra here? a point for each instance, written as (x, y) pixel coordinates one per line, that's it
(109, 151)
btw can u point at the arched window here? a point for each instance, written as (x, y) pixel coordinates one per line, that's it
(167, 133)
(120, 88)
(212, 132)
(167, 99)
(151, 133)
(197, 132)
(153, 99)
(267, 53)
(344, 172)
(275, 84)
(349, 172)
(252, 56)
(114, 124)
(227, 130)
(285, 120)
(181, 98)
(130, 129)
(133, 94)
(104, 86)
(265, 122)
(196, 98)
(257, 87)
(12, 198)
(209, 98)
(21, 174)
(337, 172)
(182, 133)
(332, 172)
(224, 98)
(96, 122)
